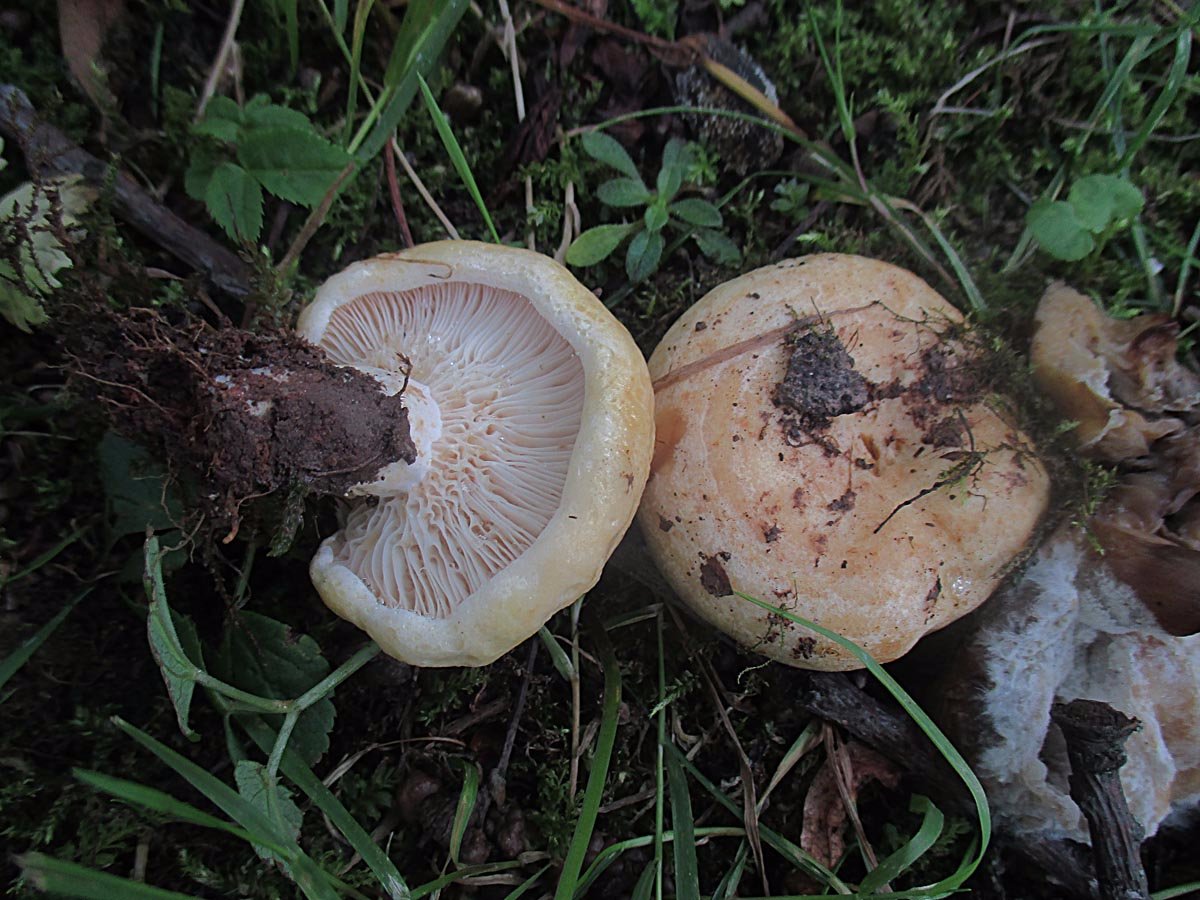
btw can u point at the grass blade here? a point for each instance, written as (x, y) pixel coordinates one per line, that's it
(687, 873)
(462, 812)
(15, 660)
(426, 28)
(450, 142)
(43, 558)
(68, 879)
(1162, 103)
(450, 878)
(306, 873)
(159, 801)
(897, 862)
(558, 655)
(305, 779)
(525, 886)
(947, 749)
(569, 879)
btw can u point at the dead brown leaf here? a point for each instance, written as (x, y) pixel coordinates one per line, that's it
(825, 811)
(82, 25)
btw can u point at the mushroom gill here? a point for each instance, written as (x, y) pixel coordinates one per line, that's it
(503, 396)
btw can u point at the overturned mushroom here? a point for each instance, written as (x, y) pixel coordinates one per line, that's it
(826, 443)
(531, 412)
(1110, 613)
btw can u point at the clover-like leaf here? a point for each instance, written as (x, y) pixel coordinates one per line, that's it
(294, 164)
(1102, 200)
(645, 251)
(697, 212)
(623, 192)
(1057, 227)
(608, 150)
(597, 244)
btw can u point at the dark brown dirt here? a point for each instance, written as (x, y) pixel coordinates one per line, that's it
(246, 414)
(820, 381)
(714, 578)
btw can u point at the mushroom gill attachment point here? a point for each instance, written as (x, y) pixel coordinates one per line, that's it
(828, 442)
(531, 411)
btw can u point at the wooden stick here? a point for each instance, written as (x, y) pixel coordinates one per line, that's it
(49, 153)
(1095, 734)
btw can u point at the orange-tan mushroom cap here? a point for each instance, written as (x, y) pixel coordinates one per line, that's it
(880, 494)
(532, 413)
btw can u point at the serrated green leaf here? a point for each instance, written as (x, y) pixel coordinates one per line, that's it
(645, 251)
(222, 120)
(260, 112)
(307, 874)
(597, 244)
(267, 658)
(235, 201)
(39, 250)
(305, 779)
(623, 192)
(292, 163)
(655, 217)
(135, 490)
(676, 159)
(717, 247)
(698, 212)
(608, 150)
(1101, 200)
(170, 640)
(1057, 228)
(22, 309)
(195, 180)
(254, 785)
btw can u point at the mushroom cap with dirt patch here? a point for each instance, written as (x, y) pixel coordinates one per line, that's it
(532, 415)
(827, 442)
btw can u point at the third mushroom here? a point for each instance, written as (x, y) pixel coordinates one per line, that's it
(827, 442)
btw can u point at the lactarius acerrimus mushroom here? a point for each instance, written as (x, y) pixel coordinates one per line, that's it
(1111, 613)
(827, 443)
(532, 414)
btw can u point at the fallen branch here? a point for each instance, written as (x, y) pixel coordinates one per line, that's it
(1095, 734)
(49, 153)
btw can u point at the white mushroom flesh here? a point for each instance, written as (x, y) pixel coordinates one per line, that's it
(496, 396)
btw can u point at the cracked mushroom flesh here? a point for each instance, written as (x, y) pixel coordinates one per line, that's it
(531, 411)
(827, 442)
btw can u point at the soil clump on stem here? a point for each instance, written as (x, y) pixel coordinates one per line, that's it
(245, 414)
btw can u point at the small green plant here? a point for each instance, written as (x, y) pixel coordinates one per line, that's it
(647, 237)
(33, 219)
(262, 146)
(1097, 207)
